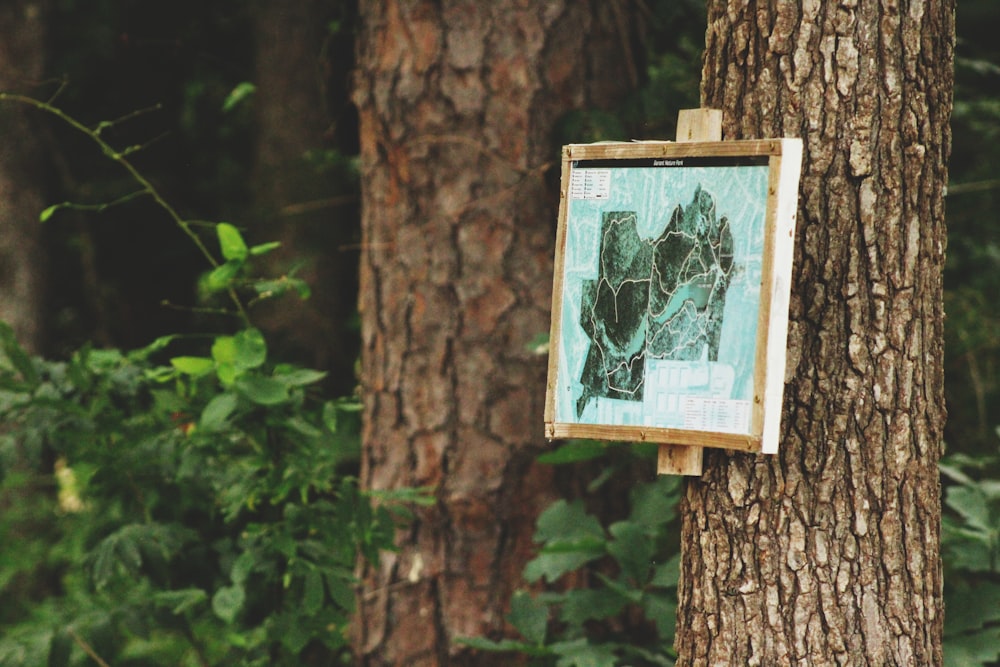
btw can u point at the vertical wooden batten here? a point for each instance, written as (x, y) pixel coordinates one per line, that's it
(692, 125)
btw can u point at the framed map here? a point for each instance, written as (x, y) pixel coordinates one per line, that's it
(670, 298)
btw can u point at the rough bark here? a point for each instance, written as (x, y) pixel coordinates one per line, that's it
(458, 102)
(829, 553)
(21, 266)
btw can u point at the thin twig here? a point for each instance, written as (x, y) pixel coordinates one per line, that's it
(317, 205)
(87, 648)
(146, 186)
(974, 186)
(201, 310)
(104, 124)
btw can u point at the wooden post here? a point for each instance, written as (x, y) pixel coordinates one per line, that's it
(692, 125)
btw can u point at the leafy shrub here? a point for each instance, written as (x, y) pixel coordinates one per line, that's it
(187, 503)
(970, 547)
(626, 616)
(203, 513)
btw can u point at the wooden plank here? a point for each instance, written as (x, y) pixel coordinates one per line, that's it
(698, 125)
(557, 293)
(682, 437)
(621, 150)
(679, 460)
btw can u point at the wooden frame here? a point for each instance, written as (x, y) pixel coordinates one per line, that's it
(668, 256)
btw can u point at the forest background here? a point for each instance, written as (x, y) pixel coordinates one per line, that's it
(243, 112)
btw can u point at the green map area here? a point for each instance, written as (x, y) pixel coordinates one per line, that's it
(654, 299)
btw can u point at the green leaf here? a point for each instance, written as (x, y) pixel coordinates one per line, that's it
(661, 608)
(971, 503)
(330, 416)
(231, 243)
(226, 373)
(243, 90)
(157, 345)
(262, 390)
(967, 549)
(555, 561)
(584, 604)
(224, 350)
(227, 602)
(312, 595)
(179, 601)
(504, 646)
(48, 213)
(633, 549)
(218, 410)
(103, 566)
(627, 591)
(235, 354)
(224, 356)
(654, 504)
(250, 349)
(221, 277)
(300, 377)
(570, 538)
(17, 355)
(529, 617)
(975, 649)
(567, 521)
(581, 653)
(666, 575)
(264, 248)
(955, 473)
(242, 567)
(102, 361)
(971, 608)
(194, 366)
(301, 287)
(303, 427)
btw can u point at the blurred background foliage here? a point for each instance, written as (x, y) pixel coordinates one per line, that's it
(125, 277)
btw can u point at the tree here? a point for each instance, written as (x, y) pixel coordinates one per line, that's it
(21, 63)
(829, 553)
(458, 104)
(303, 195)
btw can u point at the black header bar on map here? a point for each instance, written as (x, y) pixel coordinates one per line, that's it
(697, 161)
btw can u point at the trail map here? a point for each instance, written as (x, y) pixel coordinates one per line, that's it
(661, 292)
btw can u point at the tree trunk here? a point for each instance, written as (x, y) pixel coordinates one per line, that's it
(296, 67)
(458, 104)
(21, 267)
(829, 553)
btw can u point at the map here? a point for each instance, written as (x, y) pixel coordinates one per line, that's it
(661, 292)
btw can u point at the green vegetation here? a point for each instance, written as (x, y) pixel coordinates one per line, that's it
(203, 509)
(191, 501)
(624, 614)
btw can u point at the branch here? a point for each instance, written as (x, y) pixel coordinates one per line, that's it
(145, 186)
(87, 648)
